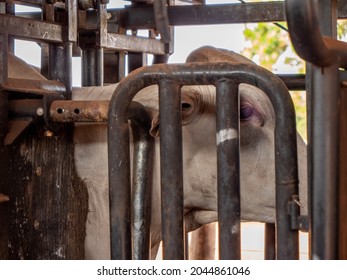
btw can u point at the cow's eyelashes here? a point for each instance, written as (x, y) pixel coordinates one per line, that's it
(246, 112)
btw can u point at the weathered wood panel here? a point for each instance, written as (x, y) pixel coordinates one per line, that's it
(49, 203)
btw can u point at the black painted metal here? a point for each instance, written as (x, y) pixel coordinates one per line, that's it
(92, 67)
(201, 73)
(308, 41)
(270, 242)
(120, 197)
(60, 65)
(142, 180)
(228, 169)
(303, 19)
(171, 174)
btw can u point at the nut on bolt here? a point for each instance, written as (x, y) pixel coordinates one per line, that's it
(3, 198)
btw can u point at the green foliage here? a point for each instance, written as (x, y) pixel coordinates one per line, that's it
(267, 41)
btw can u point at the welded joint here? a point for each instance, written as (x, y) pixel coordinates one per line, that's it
(297, 221)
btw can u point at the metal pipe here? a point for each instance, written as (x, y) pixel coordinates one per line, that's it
(142, 180)
(308, 41)
(228, 169)
(60, 65)
(309, 21)
(270, 242)
(202, 73)
(171, 174)
(120, 187)
(92, 67)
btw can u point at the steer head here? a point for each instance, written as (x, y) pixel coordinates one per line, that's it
(257, 155)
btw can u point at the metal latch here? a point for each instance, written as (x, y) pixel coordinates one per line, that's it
(297, 221)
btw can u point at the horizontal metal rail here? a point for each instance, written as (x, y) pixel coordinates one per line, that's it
(35, 30)
(143, 16)
(204, 74)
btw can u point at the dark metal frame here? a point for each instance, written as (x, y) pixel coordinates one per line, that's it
(221, 75)
(312, 28)
(100, 39)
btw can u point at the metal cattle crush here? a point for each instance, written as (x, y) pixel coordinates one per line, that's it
(36, 147)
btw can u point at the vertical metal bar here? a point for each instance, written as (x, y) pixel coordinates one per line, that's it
(10, 9)
(325, 104)
(228, 169)
(102, 22)
(3, 57)
(171, 170)
(71, 8)
(270, 242)
(120, 187)
(4, 175)
(60, 65)
(342, 254)
(136, 60)
(142, 181)
(92, 67)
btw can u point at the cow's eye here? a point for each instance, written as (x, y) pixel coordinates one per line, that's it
(186, 106)
(246, 112)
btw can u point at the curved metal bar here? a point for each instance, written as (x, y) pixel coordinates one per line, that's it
(304, 31)
(204, 74)
(122, 216)
(142, 180)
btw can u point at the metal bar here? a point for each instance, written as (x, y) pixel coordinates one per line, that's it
(4, 176)
(323, 133)
(270, 242)
(170, 118)
(102, 22)
(71, 8)
(3, 58)
(143, 17)
(120, 187)
(60, 65)
(39, 87)
(31, 29)
(92, 67)
(142, 182)
(25, 2)
(79, 111)
(25, 108)
(307, 39)
(325, 102)
(228, 169)
(202, 73)
(134, 44)
(273, 12)
(294, 82)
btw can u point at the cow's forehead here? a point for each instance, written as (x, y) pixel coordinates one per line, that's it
(212, 54)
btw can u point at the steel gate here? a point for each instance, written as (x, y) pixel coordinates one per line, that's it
(100, 35)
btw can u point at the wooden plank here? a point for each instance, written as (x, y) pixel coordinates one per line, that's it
(49, 204)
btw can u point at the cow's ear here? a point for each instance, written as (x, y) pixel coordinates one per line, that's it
(154, 131)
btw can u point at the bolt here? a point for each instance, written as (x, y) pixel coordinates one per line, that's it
(3, 198)
(38, 171)
(49, 133)
(39, 111)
